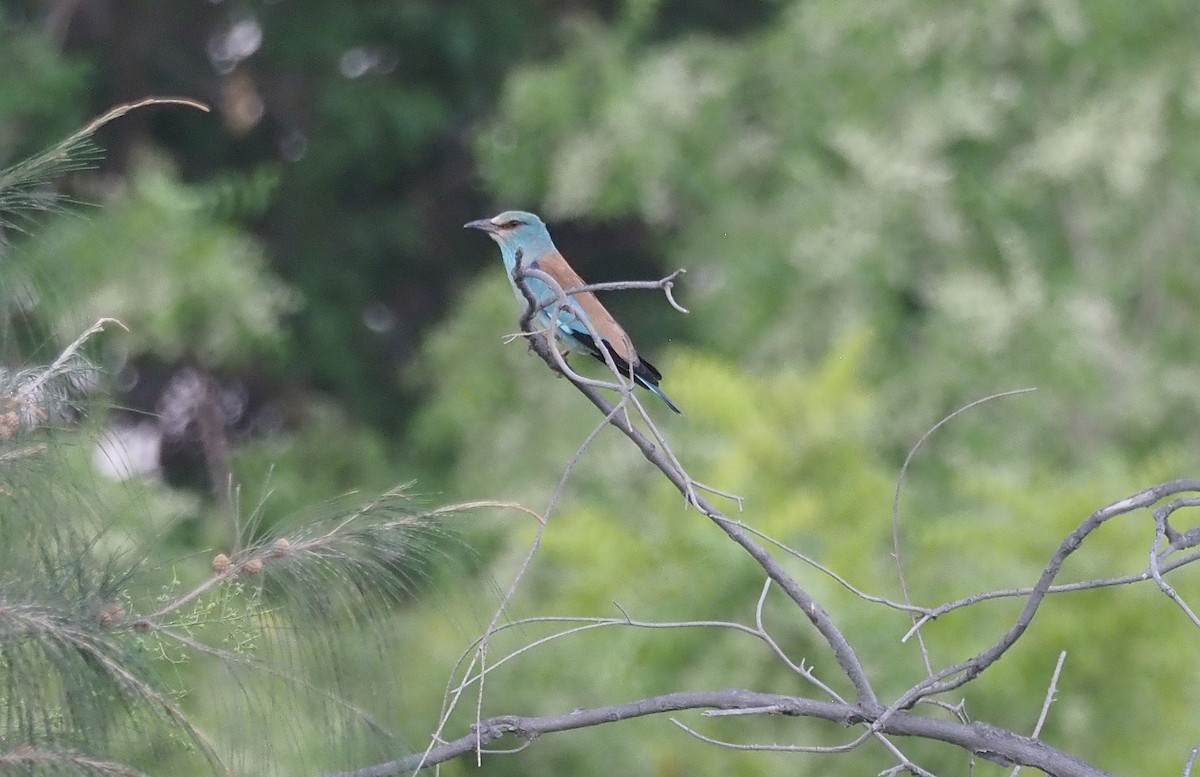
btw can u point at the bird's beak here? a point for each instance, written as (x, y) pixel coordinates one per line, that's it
(485, 224)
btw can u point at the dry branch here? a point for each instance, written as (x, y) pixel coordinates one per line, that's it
(874, 719)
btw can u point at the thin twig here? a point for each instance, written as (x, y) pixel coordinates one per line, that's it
(1051, 690)
(1082, 585)
(526, 563)
(1191, 761)
(666, 284)
(800, 668)
(1156, 573)
(896, 555)
(587, 624)
(911, 608)
(765, 748)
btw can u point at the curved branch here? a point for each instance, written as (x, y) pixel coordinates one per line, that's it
(897, 557)
(958, 674)
(979, 738)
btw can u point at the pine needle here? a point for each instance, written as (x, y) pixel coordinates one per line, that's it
(23, 186)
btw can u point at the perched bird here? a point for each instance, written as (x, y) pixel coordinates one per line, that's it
(523, 239)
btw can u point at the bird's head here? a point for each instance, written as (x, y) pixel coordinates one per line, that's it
(517, 229)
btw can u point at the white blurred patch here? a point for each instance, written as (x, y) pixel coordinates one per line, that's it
(125, 452)
(238, 41)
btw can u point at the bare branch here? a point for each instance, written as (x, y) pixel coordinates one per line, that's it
(956, 675)
(666, 284)
(800, 668)
(586, 624)
(452, 697)
(880, 723)
(979, 738)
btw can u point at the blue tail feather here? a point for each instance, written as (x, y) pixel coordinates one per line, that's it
(656, 391)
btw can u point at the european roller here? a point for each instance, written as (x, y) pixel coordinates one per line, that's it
(523, 238)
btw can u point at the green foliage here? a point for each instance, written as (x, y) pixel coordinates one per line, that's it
(36, 104)
(73, 684)
(116, 651)
(44, 101)
(798, 446)
(110, 644)
(885, 211)
(462, 400)
(186, 285)
(384, 93)
(1000, 201)
(622, 535)
(288, 473)
(240, 196)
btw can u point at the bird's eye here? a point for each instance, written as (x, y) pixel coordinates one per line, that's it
(513, 224)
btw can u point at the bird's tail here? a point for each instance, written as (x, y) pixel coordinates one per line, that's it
(656, 391)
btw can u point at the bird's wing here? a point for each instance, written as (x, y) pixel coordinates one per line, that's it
(605, 325)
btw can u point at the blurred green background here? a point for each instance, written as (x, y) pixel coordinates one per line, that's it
(886, 210)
